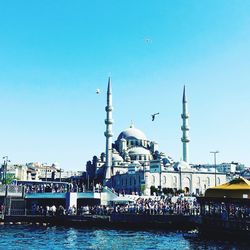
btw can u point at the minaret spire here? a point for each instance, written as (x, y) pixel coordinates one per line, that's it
(108, 133)
(185, 128)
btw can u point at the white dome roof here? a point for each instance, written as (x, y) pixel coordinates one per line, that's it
(181, 165)
(138, 151)
(132, 132)
(117, 157)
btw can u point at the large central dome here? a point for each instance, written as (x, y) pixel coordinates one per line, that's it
(131, 133)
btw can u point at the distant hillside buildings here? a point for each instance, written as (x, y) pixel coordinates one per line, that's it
(36, 171)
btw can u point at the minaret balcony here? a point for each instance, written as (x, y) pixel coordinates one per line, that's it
(108, 134)
(109, 108)
(185, 139)
(184, 116)
(185, 128)
(109, 121)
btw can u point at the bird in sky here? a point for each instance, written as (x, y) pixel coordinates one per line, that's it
(97, 91)
(153, 116)
(148, 40)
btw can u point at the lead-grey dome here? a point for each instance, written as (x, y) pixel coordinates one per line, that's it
(132, 133)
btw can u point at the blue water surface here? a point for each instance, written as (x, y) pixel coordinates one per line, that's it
(39, 237)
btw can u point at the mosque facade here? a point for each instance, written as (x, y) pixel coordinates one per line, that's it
(134, 164)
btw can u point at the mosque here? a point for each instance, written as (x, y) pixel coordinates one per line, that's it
(133, 164)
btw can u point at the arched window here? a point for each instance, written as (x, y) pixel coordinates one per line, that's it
(186, 184)
(164, 179)
(153, 179)
(208, 181)
(174, 179)
(218, 181)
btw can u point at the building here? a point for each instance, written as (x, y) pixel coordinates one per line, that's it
(227, 168)
(36, 171)
(134, 164)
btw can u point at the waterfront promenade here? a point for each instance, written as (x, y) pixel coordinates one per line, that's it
(38, 206)
(48, 205)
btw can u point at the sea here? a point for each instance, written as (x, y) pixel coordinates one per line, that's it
(44, 237)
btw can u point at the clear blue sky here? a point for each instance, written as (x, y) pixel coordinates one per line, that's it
(55, 54)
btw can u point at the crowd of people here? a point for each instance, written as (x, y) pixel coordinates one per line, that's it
(149, 206)
(44, 188)
(227, 211)
(57, 187)
(51, 210)
(51, 188)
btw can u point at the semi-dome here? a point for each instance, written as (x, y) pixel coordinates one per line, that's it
(139, 151)
(132, 132)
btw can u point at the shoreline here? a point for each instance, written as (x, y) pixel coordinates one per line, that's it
(129, 221)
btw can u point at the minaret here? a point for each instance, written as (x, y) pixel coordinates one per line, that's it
(185, 128)
(108, 132)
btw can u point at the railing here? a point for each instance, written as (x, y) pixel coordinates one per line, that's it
(16, 212)
(3, 190)
(111, 190)
(11, 190)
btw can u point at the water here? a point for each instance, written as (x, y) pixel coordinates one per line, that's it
(38, 237)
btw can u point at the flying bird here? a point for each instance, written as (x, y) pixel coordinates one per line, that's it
(97, 91)
(153, 116)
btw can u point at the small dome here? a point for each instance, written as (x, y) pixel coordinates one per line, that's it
(169, 168)
(132, 132)
(182, 165)
(117, 158)
(139, 151)
(167, 160)
(136, 163)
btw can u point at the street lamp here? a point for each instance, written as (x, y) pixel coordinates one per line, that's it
(46, 172)
(60, 175)
(215, 153)
(5, 164)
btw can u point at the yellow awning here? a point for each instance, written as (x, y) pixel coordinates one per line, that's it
(237, 188)
(236, 184)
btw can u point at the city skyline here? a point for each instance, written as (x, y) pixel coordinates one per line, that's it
(54, 56)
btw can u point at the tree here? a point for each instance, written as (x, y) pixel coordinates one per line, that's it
(168, 191)
(180, 191)
(156, 155)
(10, 178)
(103, 155)
(153, 190)
(143, 187)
